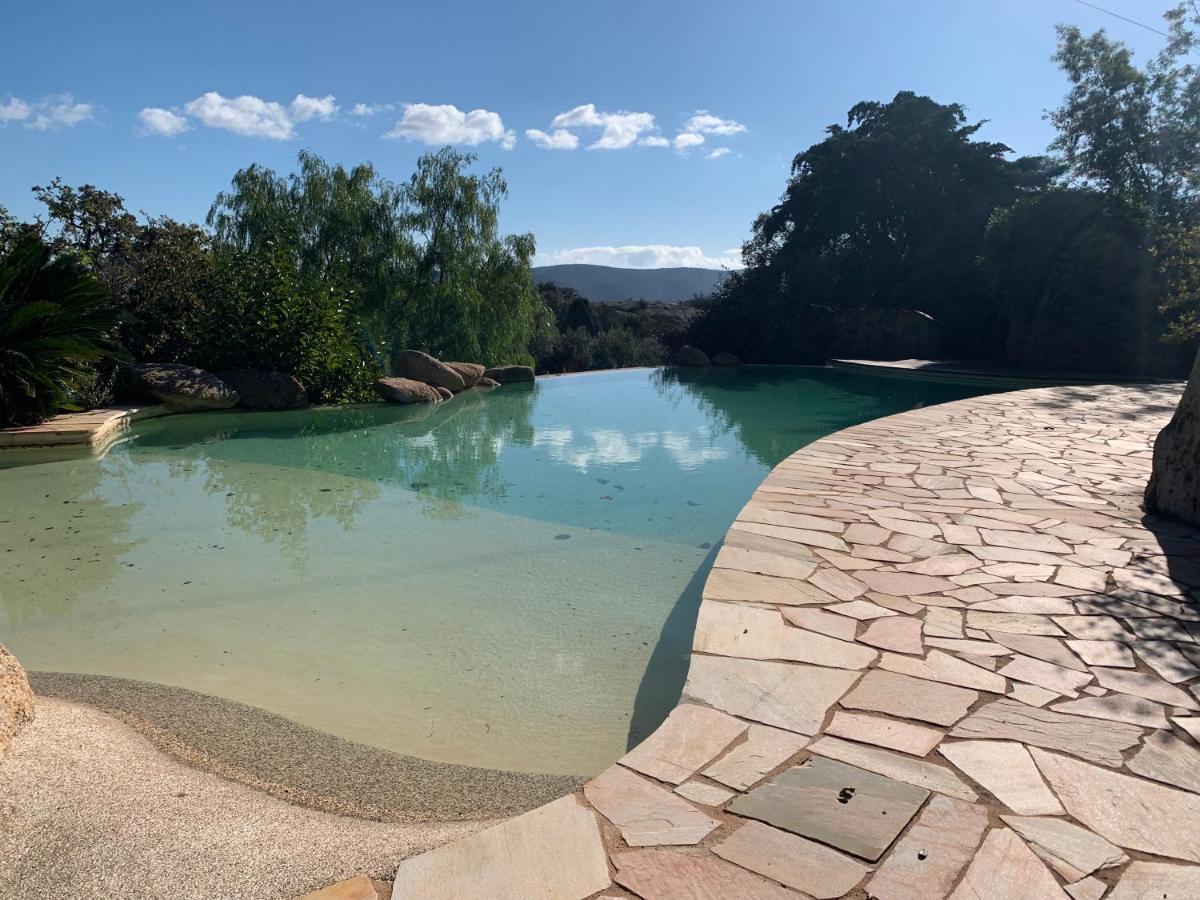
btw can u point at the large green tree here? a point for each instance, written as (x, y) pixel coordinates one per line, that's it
(887, 211)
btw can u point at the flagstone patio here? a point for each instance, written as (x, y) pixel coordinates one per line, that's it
(941, 654)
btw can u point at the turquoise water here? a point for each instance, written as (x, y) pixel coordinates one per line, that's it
(505, 580)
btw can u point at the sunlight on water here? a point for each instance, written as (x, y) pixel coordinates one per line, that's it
(505, 580)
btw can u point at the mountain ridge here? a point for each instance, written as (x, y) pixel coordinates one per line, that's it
(602, 284)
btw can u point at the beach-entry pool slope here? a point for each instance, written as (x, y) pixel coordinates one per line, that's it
(507, 580)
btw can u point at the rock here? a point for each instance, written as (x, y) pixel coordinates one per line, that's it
(177, 386)
(405, 390)
(1174, 488)
(16, 699)
(422, 367)
(509, 374)
(690, 356)
(470, 373)
(444, 393)
(725, 359)
(486, 383)
(265, 390)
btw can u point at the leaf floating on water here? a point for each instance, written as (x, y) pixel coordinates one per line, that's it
(562, 537)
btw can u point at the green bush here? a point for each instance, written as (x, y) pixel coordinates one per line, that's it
(54, 323)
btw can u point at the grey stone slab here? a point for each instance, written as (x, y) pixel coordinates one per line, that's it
(928, 859)
(839, 805)
(788, 696)
(1072, 844)
(1166, 758)
(552, 851)
(818, 871)
(646, 814)
(1099, 741)
(910, 698)
(1131, 812)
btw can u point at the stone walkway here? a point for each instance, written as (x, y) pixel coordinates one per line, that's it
(941, 654)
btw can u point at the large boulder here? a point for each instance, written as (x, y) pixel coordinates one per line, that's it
(406, 390)
(690, 356)
(422, 367)
(469, 372)
(725, 359)
(177, 386)
(486, 384)
(444, 393)
(16, 699)
(508, 374)
(1174, 488)
(265, 390)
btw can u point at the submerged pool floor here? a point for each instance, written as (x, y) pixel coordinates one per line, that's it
(506, 580)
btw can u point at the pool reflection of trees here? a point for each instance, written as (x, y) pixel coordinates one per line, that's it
(446, 453)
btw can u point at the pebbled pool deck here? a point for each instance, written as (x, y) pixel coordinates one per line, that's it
(941, 654)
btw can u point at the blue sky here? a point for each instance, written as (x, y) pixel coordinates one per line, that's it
(671, 124)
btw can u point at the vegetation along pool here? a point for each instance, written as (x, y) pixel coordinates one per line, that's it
(506, 580)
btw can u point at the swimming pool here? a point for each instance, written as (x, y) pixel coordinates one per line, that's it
(506, 580)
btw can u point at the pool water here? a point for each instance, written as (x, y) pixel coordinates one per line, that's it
(506, 580)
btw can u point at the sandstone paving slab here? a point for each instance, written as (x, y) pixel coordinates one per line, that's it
(904, 768)
(737, 536)
(788, 696)
(943, 668)
(1041, 606)
(943, 566)
(1081, 577)
(928, 859)
(1013, 623)
(1046, 675)
(671, 875)
(1149, 687)
(1116, 708)
(1004, 868)
(816, 870)
(973, 647)
(1157, 881)
(690, 737)
(910, 698)
(761, 563)
(646, 814)
(901, 634)
(1164, 757)
(890, 733)
(862, 610)
(1131, 812)
(1048, 649)
(821, 622)
(1023, 540)
(905, 584)
(897, 604)
(865, 533)
(764, 750)
(1112, 654)
(1094, 628)
(1100, 741)
(1032, 695)
(704, 793)
(1072, 844)
(1168, 662)
(552, 851)
(750, 587)
(1090, 888)
(755, 512)
(1189, 725)
(839, 805)
(839, 584)
(748, 632)
(943, 623)
(1160, 630)
(1006, 770)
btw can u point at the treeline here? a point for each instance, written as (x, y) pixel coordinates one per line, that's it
(1082, 260)
(325, 274)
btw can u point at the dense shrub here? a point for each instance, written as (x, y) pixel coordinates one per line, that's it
(54, 322)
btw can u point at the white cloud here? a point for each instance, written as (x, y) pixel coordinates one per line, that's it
(162, 122)
(706, 123)
(447, 124)
(559, 139)
(246, 115)
(718, 153)
(687, 139)
(621, 129)
(15, 110)
(60, 111)
(364, 110)
(654, 140)
(304, 108)
(646, 256)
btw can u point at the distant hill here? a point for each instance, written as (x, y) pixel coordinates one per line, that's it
(604, 283)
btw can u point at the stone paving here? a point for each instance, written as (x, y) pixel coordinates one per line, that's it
(942, 654)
